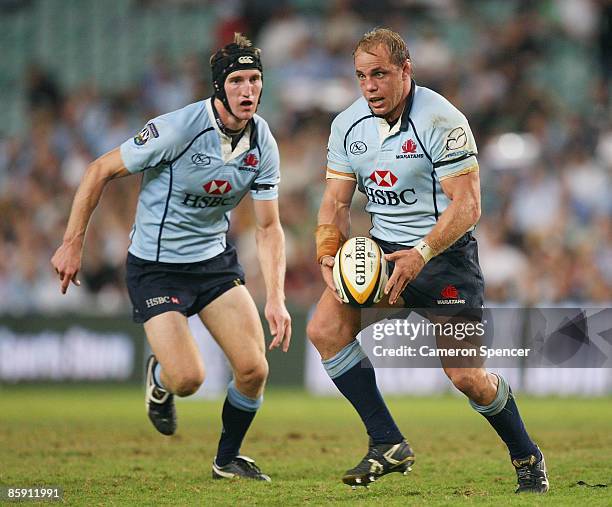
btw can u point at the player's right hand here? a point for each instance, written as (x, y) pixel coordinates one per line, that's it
(327, 266)
(67, 263)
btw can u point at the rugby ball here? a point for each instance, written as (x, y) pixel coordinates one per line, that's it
(360, 272)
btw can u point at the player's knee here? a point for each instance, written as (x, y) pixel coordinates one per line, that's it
(313, 331)
(253, 374)
(464, 379)
(321, 333)
(189, 382)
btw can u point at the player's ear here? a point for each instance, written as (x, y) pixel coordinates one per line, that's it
(406, 70)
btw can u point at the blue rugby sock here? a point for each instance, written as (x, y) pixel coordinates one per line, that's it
(238, 413)
(503, 414)
(354, 376)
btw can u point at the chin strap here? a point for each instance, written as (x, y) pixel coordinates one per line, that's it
(221, 125)
(223, 98)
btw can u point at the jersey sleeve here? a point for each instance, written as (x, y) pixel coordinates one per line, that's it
(452, 146)
(265, 185)
(338, 165)
(159, 141)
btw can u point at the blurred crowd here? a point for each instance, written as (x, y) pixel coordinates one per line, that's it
(533, 79)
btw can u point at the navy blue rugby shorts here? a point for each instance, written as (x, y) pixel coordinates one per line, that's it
(159, 287)
(450, 284)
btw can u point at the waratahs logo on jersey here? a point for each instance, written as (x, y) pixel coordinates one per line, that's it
(250, 160)
(383, 178)
(409, 146)
(217, 187)
(450, 292)
(451, 296)
(249, 163)
(409, 150)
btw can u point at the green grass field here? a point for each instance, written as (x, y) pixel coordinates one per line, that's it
(98, 445)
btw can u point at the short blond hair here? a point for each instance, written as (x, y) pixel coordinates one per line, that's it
(398, 50)
(241, 40)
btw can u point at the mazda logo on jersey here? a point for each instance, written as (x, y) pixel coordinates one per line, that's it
(217, 187)
(409, 148)
(456, 139)
(358, 148)
(383, 178)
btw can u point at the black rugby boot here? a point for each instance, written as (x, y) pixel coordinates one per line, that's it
(159, 402)
(381, 459)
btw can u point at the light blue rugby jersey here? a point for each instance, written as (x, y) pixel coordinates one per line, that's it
(399, 169)
(192, 179)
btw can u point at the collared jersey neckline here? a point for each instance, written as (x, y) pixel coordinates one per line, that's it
(243, 145)
(385, 130)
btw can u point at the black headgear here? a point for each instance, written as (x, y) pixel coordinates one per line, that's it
(228, 59)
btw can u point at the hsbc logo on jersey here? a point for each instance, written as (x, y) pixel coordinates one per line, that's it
(409, 148)
(162, 300)
(383, 178)
(391, 197)
(207, 201)
(217, 187)
(214, 188)
(387, 179)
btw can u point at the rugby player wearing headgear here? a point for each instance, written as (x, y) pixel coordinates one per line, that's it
(197, 164)
(414, 157)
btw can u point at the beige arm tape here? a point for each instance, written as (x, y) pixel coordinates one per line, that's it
(425, 250)
(329, 239)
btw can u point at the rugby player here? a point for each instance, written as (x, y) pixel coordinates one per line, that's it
(197, 163)
(414, 157)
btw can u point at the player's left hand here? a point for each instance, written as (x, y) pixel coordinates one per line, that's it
(279, 321)
(67, 263)
(408, 264)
